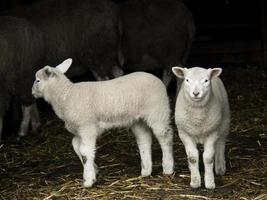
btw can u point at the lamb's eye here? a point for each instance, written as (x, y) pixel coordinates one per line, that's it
(186, 80)
(206, 80)
(37, 81)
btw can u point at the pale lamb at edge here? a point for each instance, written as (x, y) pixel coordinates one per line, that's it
(138, 100)
(202, 115)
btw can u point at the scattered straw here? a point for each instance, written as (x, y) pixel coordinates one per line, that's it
(44, 165)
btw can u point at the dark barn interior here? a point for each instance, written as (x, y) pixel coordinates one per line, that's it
(231, 34)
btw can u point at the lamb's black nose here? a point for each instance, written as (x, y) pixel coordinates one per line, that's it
(196, 93)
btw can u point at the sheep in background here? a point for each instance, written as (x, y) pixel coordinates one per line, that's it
(21, 51)
(155, 34)
(138, 100)
(202, 116)
(84, 30)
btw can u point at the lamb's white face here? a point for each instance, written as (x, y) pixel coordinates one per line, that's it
(44, 75)
(197, 81)
(36, 89)
(41, 78)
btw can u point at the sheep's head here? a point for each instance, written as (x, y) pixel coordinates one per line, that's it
(47, 75)
(197, 81)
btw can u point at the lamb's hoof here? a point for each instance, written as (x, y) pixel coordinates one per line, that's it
(210, 185)
(89, 183)
(195, 183)
(168, 172)
(220, 171)
(146, 172)
(168, 168)
(209, 181)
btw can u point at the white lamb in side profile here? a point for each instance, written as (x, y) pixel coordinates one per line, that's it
(138, 100)
(202, 116)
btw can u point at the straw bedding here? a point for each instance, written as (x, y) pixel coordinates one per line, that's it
(44, 166)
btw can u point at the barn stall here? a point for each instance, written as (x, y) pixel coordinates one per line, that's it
(43, 165)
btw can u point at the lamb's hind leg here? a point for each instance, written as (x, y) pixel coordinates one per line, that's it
(164, 136)
(76, 141)
(144, 141)
(220, 167)
(76, 147)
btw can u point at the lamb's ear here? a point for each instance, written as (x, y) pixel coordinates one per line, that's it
(215, 72)
(47, 73)
(64, 66)
(179, 71)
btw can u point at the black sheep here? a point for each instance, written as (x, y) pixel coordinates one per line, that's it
(21, 53)
(155, 34)
(85, 30)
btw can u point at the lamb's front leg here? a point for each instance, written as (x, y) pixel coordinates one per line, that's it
(87, 149)
(208, 159)
(193, 158)
(220, 166)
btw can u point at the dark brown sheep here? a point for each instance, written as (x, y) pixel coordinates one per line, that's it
(21, 46)
(85, 30)
(155, 34)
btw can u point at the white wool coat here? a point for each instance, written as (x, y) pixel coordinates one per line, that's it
(200, 120)
(112, 103)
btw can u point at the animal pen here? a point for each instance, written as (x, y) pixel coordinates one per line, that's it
(43, 165)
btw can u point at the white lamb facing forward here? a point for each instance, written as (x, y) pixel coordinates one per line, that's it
(138, 100)
(202, 116)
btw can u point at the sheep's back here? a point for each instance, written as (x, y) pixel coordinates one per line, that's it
(127, 97)
(83, 30)
(153, 37)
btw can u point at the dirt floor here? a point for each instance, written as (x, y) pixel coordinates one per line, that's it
(44, 166)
